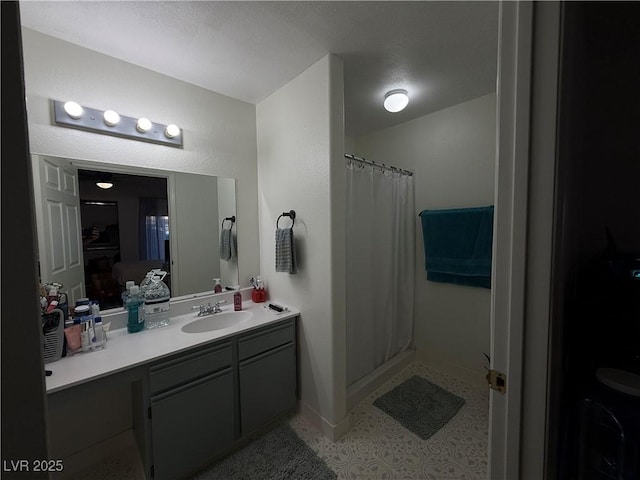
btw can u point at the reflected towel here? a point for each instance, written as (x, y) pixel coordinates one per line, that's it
(227, 244)
(285, 251)
(457, 245)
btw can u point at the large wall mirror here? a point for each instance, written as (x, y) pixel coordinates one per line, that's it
(93, 239)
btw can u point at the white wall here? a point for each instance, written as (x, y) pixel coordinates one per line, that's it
(219, 139)
(219, 132)
(300, 144)
(452, 155)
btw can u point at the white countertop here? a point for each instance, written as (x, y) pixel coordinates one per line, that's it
(125, 350)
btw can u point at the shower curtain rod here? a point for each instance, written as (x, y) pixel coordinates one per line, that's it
(378, 165)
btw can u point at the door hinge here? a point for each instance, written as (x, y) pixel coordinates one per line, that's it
(497, 381)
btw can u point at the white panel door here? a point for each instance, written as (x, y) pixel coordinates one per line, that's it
(59, 225)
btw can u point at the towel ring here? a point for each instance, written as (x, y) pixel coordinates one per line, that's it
(232, 219)
(291, 214)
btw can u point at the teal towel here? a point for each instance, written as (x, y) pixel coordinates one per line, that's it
(457, 245)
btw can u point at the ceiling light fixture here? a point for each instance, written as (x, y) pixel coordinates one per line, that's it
(73, 109)
(172, 131)
(111, 118)
(396, 100)
(110, 122)
(104, 185)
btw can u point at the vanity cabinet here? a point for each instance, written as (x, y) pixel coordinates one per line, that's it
(202, 403)
(192, 410)
(267, 375)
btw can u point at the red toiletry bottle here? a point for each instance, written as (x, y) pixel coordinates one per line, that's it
(237, 301)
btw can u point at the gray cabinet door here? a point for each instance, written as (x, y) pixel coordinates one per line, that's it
(267, 387)
(192, 424)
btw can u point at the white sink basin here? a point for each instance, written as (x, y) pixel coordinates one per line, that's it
(216, 321)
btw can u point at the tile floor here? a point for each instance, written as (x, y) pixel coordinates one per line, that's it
(378, 447)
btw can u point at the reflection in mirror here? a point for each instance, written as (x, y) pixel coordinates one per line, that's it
(125, 231)
(92, 240)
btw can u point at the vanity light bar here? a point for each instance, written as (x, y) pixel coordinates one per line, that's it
(110, 123)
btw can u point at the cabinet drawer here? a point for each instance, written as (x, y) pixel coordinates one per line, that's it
(187, 367)
(266, 339)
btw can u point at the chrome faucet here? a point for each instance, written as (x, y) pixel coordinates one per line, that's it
(209, 309)
(216, 307)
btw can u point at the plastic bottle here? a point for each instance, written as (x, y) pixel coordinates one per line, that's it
(99, 338)
(135, 317)
(237, 300)
(125, 294)
(156, 302)
(95, 309)
(85, 335)
(217, 287)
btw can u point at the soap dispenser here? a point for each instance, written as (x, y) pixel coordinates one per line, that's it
(217, 287)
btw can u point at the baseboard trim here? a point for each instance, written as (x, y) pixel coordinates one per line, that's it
(333, 432)
(364, 387)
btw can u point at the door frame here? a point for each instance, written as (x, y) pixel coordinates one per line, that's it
(529, 45)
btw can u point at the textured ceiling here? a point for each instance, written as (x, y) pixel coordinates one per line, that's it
(443, 53)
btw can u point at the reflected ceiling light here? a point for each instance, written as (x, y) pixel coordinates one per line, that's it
(143, 125)
(172, 130)
(396, 100)
(73, 109)
(111, 118)
(104, 185)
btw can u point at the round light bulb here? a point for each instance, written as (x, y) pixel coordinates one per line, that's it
(73, 109)
(396, 100)
(111, 118)
(104, 185)
(143, 125)
(172, 131)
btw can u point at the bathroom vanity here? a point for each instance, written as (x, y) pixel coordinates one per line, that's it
(194, 396)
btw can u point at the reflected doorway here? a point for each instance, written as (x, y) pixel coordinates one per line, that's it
(125, 231)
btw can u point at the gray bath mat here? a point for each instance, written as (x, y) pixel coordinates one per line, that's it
(277, 455)
(420, 406)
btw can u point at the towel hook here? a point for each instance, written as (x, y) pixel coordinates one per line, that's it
(291, 214)
(232, 219)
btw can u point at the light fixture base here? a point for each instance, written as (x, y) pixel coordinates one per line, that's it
(396, 100)
(92, 120)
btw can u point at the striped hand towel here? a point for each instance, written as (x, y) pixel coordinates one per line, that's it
(227, 244)
(285, 251)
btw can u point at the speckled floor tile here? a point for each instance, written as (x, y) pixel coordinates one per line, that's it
(378, 447)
